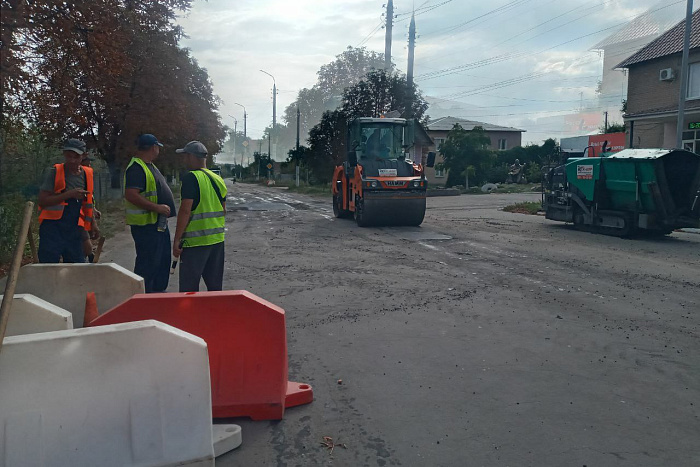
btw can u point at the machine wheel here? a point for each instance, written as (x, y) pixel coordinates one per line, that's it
(360, 215)
(339, 212)
(578, 219)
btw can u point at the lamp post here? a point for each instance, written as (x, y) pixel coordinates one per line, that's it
(245, 134)
(235, 126)
(274, 103)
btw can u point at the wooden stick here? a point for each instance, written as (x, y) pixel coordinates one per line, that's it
(13, 273)
(100, 244)
(32, 244)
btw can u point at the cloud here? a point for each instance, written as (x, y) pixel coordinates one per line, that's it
(502, 41)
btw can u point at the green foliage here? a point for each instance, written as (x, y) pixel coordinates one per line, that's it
(106, 71)
(346, 70)
(527, 154)
(380, 92)
(496, 174)
(377, 93)
(26, 154)
(327, 146)
(11, 212)
(533, 172)
(466, 150)
(614, 127)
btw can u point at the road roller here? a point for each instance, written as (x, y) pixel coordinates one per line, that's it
(379, 184)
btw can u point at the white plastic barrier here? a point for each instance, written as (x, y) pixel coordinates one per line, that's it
(65, 285)
(118, 395)
(31, 314)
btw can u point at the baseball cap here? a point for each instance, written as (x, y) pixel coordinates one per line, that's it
(147, 140)
(74, 145)
(195, 148)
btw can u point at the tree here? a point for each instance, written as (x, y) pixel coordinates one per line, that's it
(614, 127)
(106, 71)
(466, 152)
(327, 145)
(380, 92)
(377, 93)
(346, 70)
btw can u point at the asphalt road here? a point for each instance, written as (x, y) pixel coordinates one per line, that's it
(480, 338)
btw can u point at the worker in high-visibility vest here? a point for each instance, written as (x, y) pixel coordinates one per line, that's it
(149, 203)
(66, 207)
(199, 236)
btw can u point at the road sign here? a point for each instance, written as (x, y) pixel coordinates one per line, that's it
(269, 166)
(245, 144)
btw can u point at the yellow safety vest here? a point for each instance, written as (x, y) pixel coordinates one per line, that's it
(134, 214)
(206, 225)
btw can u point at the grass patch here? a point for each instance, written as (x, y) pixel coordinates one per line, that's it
(524, 208)
(113, 217)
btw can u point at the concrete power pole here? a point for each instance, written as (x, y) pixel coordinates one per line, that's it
(387, 40)
(409, 72)
(296, 169)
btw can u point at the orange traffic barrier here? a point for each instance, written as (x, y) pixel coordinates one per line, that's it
(247, 341)
(91, 312)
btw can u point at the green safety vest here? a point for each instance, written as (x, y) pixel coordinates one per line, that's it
(206, 225)
(134, 214)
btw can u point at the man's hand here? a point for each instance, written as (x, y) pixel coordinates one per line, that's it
(94, 234)
(76, 193)
(163, 209)
(177, 248)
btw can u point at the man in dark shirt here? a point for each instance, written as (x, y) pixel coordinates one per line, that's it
(199, 236)
(149, 203)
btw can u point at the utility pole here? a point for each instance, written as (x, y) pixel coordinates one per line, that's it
(297, 158)
(606, 121)
(245, 137)
(409, 72)
(684, 76)
(387, 40)
(274, 106)
(259, 156)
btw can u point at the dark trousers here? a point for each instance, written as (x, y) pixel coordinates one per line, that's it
(202, 262)
(62, 238)
(152, 256)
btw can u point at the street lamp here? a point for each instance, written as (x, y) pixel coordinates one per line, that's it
(274, 103)
(245, 137)
(235, 129)
(245, 118)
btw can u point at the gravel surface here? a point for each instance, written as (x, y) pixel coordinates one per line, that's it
(480, 338)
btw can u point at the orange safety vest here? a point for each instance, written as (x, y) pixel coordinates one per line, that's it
(59, 185)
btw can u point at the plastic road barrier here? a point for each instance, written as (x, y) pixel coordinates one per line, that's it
(122, 395)
(31, 314)
(247, 342)
(65, 285)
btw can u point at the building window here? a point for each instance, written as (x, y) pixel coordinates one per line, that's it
(502, 144)
(438, 143)
(693, 81)
(439, 173)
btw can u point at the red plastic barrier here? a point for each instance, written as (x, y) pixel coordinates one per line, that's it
(247, 342)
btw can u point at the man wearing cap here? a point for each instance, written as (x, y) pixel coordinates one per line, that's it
(66, 207)
(199, 236)
(148, 201)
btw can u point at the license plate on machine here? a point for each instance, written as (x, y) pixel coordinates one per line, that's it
(387, 172)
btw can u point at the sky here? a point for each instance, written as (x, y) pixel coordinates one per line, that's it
(523, 61)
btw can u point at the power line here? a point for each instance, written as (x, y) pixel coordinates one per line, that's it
(508, 56)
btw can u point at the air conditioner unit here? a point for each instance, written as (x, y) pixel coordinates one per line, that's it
(666, 74)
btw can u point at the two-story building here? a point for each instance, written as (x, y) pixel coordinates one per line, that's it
(502, 138)
(653, 91)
